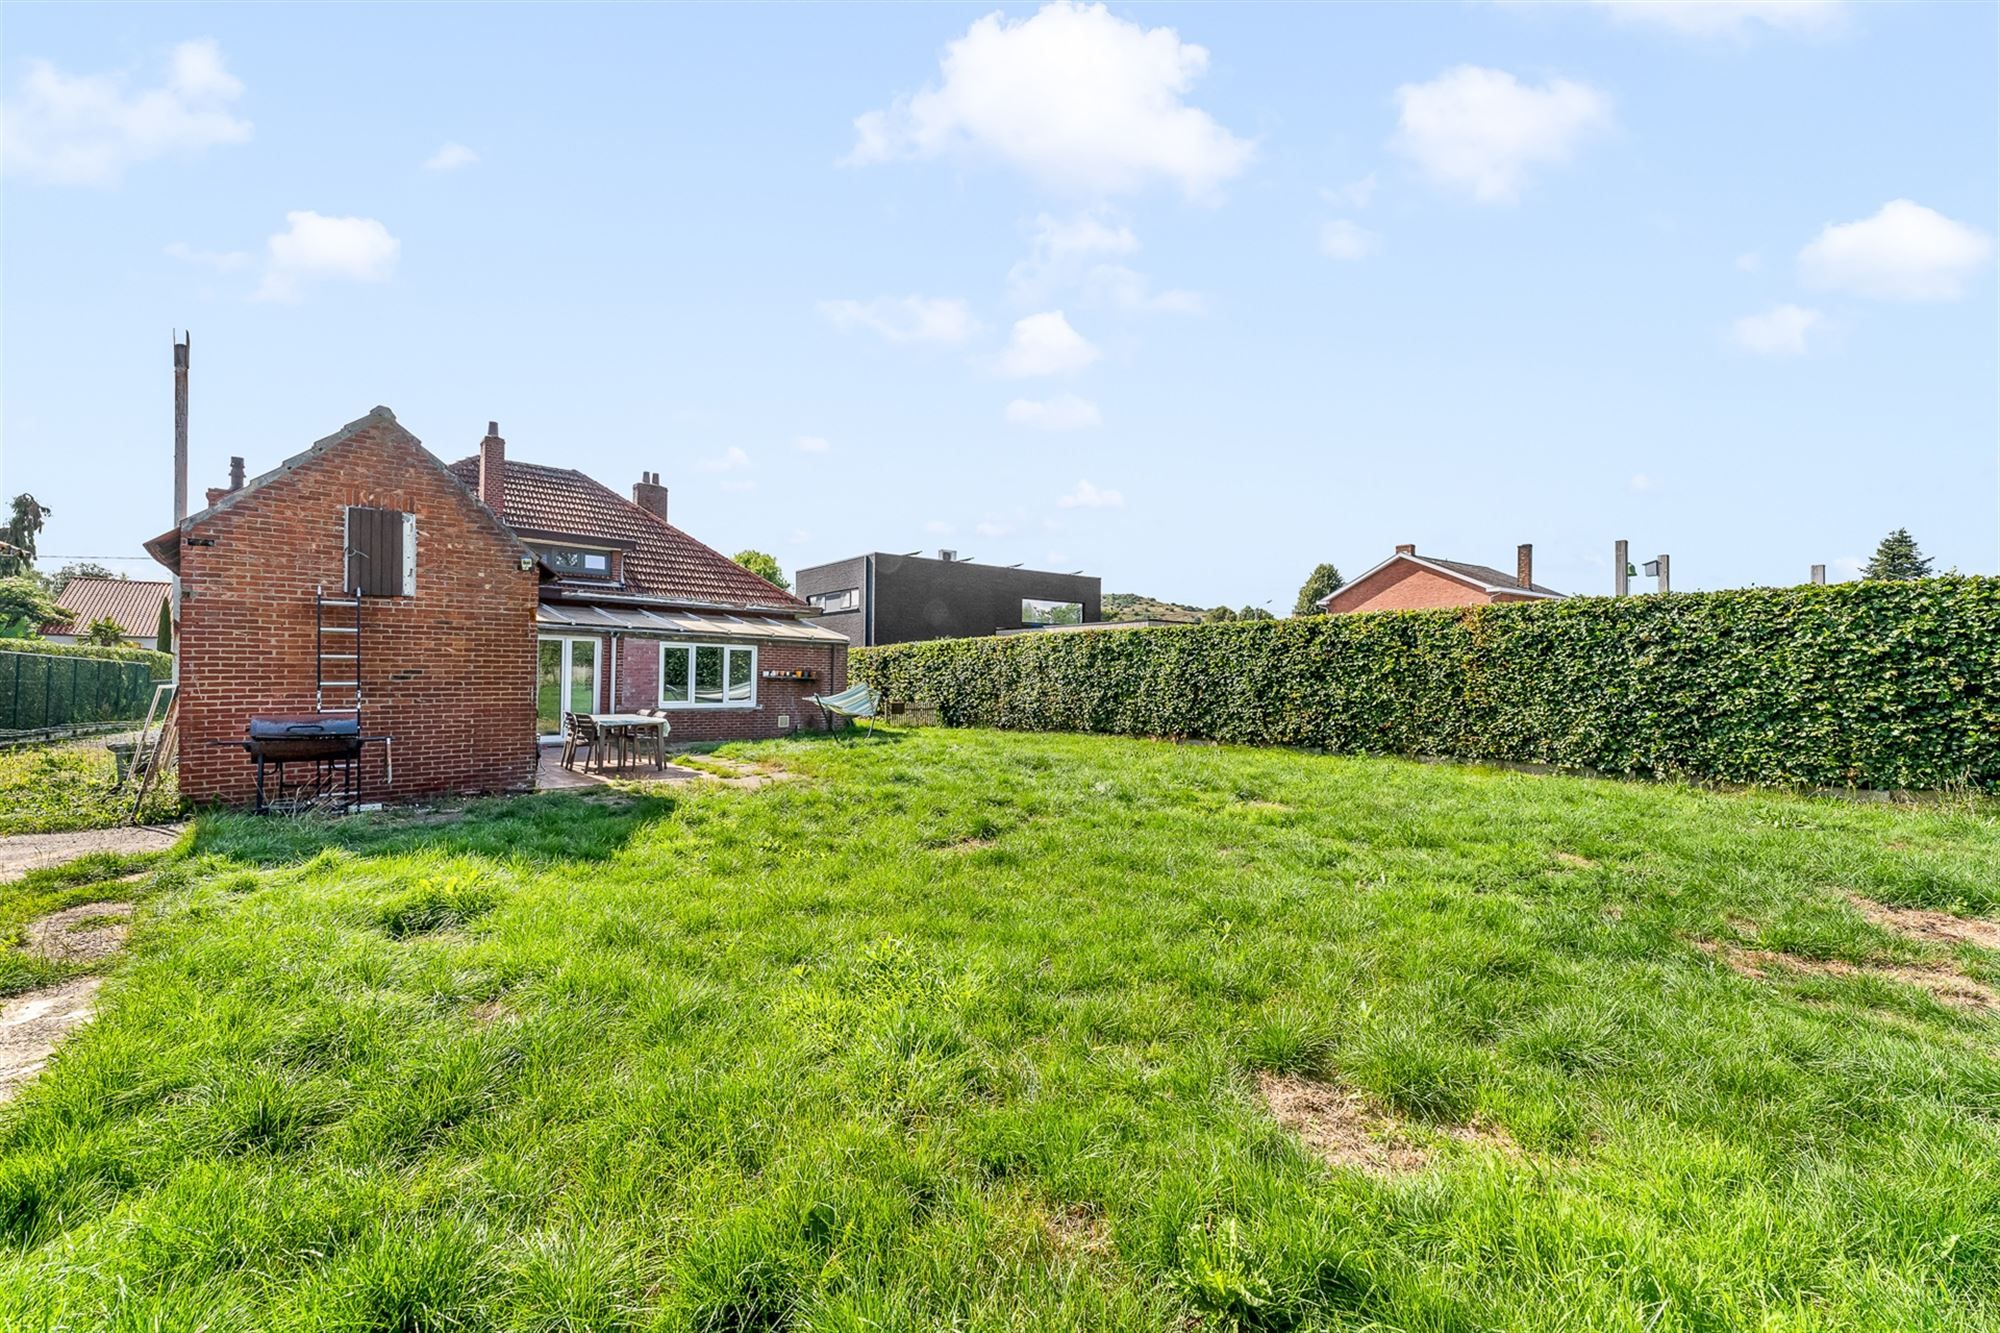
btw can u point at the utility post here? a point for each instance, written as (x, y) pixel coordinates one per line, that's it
(1660, 568)
(1621, 560)
(1819, 575)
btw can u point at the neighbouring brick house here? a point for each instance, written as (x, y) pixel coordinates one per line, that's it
(492, 596)
(1407, 581)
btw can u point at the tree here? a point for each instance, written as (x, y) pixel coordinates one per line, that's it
(1898, 558)
(18, 555)
(764, 567)
(82, 569)
(1216, 615)
(104, 632)
(1254, 613)
(1319, 585)
(25, 607)
(165, 632)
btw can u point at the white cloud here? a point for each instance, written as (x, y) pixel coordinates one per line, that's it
(1068, 253)
(313, 246)
(1641, 483)
(1063, 412)
(1119, 287)
(1343, 239)
(1483, 131)
(1089, 496)
(732, 459)
(1725, 18)
(811, 444)
(1045, 344)
(222, 261)
(990, 528)
(86, 129)
(1783, 330)
(1075, 97)
(903, 319)
(1906, 252)
(1355, 194)
(451, 157)
(1749, 263)
(1060, 250)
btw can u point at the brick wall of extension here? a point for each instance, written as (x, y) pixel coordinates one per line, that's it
(449, 672)
(781, 704)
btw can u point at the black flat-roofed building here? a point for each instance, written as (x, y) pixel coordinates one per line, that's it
(881, 598)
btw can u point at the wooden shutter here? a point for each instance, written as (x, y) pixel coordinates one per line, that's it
(375, 551)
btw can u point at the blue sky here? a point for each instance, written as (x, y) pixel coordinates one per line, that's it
(1189, 297)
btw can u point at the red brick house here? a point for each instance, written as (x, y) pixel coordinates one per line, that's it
(1407, 581)
(488, 597)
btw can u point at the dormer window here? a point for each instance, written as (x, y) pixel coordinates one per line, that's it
(577, 562)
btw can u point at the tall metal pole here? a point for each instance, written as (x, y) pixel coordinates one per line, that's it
(1665, 583)
(1621, 581)
(181, 350)
(181, 427)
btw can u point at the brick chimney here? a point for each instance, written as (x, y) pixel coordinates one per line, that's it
(492, 469)
(1524, 565)
(1407, 548)
(650, 496)
(215, 493)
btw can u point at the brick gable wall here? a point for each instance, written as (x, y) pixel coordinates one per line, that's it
(1406, 587)
(449, 673)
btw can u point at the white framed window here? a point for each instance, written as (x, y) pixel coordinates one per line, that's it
(847, 599)
(1035, 611)
(708, 675)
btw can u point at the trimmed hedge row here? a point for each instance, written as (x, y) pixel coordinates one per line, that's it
(160, 664)
(1880, 685)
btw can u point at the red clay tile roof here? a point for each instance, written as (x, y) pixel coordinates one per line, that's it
(133, 603)
(659, 561)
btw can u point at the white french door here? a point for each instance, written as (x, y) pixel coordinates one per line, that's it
(566, 679)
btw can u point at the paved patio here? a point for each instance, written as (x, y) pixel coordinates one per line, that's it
(550, 775)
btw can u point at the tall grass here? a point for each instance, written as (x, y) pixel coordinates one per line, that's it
(963, 1033)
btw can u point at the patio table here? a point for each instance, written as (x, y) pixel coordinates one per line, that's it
(625, 724)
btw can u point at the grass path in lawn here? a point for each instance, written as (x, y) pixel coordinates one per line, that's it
(967, 1029)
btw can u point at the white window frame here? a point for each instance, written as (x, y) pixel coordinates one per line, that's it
(687, 648)
(1046, 602)
(850, 600)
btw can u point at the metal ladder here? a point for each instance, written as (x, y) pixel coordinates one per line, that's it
(336, 672)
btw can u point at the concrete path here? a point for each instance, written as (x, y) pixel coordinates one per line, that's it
(32, 1024)
(31, 851)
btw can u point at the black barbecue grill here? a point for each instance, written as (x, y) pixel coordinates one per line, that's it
(326, 746)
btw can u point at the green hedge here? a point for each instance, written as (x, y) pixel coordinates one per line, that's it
(1881, 685)
(161, 665)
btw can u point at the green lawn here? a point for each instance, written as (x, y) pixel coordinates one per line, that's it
(965, 1032)
(67, 785)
